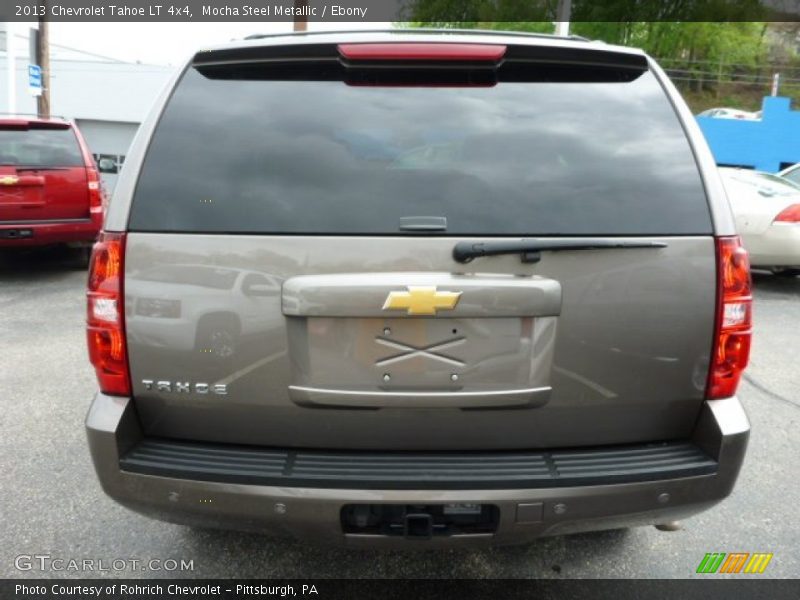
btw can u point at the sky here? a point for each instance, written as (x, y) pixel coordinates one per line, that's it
(164, 43)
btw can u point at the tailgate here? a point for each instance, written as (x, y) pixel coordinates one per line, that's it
(591, 347)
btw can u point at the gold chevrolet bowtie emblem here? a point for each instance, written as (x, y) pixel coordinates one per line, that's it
(9, 180)
(420, 300)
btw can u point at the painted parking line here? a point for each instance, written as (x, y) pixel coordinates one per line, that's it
(245, 370)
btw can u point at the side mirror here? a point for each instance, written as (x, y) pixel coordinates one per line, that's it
(107, 165)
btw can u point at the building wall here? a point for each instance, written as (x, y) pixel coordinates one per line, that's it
(107, 91)
(768, 144)
(106, 139)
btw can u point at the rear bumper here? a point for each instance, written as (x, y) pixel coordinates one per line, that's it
(45, 233)
(314, 512)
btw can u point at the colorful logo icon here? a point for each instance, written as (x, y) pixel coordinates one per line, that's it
(734, 562)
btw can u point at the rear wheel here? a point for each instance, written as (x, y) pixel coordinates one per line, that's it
(80, 257)
(218, 337)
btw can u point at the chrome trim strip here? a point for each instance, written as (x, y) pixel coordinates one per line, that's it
(310, 396)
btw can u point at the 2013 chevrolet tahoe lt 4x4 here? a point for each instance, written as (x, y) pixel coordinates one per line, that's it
(419, 288)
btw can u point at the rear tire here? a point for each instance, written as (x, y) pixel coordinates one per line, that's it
(81, 257)
(218, 338)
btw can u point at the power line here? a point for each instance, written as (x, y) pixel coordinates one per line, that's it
(86, 52)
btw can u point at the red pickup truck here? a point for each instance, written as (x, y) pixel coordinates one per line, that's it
(50, 189)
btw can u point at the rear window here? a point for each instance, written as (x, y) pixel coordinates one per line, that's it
(243, 152)
(793, 175)
(37, 147)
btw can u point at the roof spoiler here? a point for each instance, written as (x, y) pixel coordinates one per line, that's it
(594, 56)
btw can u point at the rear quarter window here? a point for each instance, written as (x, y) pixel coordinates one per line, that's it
(283, 156)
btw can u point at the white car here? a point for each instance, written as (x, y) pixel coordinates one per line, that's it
(201, 308)
(767, 212)
(792, 174)
(730, 113)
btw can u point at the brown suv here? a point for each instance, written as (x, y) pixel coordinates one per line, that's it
(419, 288)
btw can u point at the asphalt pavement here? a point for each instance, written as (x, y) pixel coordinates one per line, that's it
(51, 503)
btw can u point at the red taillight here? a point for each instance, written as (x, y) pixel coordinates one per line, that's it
(104, 317)
(95, 193)
(734, 319)
(417, 51)
(790, 214)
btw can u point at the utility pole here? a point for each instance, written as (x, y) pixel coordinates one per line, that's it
(300, 22)
(563, 15)
(43, 55)
(776, 83)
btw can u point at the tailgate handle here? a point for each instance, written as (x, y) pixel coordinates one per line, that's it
(365, 295)
(313, 397)
(530, 250)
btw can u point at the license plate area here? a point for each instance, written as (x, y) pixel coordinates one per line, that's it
(422, 521)
(422, 354)
(16, 234)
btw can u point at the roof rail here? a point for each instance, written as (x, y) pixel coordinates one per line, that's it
(418, 30)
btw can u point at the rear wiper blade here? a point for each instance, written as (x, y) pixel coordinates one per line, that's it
(530, 250)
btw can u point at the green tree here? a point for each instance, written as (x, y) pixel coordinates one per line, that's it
(652, 26)
(739, 43)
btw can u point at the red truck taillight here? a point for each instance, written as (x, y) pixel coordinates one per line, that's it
(734, 319)
(95, 192)
(104, 315)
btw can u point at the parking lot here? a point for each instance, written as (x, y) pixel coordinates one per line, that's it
(51, 503)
